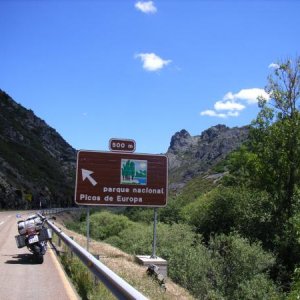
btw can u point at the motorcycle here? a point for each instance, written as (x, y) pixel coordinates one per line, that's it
(34, 234)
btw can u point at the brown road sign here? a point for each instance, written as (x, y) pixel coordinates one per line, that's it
(121, 179)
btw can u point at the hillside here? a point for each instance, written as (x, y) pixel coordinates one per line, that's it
(36, 164)
(193, 156)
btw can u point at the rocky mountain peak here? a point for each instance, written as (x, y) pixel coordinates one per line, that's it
(190, 156)
(181, 140)
(213, 132)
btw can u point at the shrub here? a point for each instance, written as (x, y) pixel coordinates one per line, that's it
(239, 265)
(171, 237)
(232, 209)
(225, 267)
(229, 267)
(106, 224)
(138, 214)
(193, 268)
(257, 287)
(136, 239)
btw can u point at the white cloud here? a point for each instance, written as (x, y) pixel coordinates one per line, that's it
(233, 114)
(249, 95)
(233, 104)
(152, 62)
(212, 113)
(228, 105)
(273, 66)
(146, 7)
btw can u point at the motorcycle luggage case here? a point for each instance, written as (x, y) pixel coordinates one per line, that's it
(45, 234)
(20, 240)
(33, 222)
(21, 227)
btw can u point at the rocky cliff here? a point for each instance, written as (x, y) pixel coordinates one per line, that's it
(37, 166)
(190, 156)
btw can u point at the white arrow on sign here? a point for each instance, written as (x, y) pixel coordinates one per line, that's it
(86, 174)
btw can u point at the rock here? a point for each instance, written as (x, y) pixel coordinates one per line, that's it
(190, 156)
(181, 141)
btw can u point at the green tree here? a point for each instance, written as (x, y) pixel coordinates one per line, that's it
(271, 162)
(132, 169)
(128, 170)
(276, 137)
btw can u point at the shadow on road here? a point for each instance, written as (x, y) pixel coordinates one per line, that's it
(22, 259)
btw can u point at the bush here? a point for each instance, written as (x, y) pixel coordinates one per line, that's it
(106, 224)
(172, 237)
(257, 287)
(139, 214)
(228, 268)
(137, 239)
(171, 213)
(225, 267)
(193, 268)
(225, 209)
(240, 262)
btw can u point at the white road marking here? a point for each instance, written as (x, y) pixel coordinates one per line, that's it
(2, 222)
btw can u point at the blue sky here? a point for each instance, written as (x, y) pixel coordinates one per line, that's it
(142, 70)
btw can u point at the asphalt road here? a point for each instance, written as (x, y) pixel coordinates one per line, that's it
(21, 277)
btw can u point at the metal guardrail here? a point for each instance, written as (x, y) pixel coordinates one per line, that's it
(57, 210)
(118, 286)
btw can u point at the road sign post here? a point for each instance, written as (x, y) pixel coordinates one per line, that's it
(121, 178)
(154, 234)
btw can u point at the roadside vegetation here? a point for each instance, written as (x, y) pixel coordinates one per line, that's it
(123, 264)
(239, 237)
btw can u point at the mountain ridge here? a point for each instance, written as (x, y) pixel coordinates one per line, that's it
(192, 156)
(37, 166)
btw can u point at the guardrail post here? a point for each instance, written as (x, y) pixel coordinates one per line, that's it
(96, 281)
(71, 252)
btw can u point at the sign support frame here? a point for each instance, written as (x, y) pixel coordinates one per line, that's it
(154, 233)
(126, 148)
(88, 228)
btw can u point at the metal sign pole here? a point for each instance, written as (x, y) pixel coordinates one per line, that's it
(154, 234)
(88, 229)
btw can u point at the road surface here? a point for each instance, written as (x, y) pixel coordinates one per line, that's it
(21, 277)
